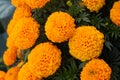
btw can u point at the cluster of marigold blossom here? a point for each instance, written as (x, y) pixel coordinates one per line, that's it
(85, 43)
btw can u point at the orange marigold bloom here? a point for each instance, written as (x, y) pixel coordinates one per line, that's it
(22, 11)
(96, 69)
(59, 27)
(2, 75)
(44, 59)
(94, 5)
(24, 34)
(12, 73)
(18, 3)
(26, 74)
(116, 5)
(115, 16)
(9, 56)
(86, 43)
(36, 3)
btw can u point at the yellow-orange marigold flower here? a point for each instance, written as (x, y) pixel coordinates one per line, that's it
(12, 73)
(116, 5)
(115, 16)
(22, 11)
(18, 3)
(2, 75)
(25, 33)
(44, 59)
(94, 5)
(36, 3)
(86, 43)
(96, 69)
(26, 74)
(59, 27)
(9, 56)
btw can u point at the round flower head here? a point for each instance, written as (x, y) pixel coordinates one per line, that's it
(12, 73)
(94, 5)
(26, 74)
(96, 69)
(25, 33)
(2, 75)
(86, 43)
(44, 59)
(22, 11)
(36, 3)
(115, 16)
(59, 27)
(116, 5)
(9, 56)
(18, 3)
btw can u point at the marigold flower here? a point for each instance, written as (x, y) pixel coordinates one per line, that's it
(24, 34)
(59, 27)
(18, 3)
(9, 56)
(2, 75)
(44, 59)
(115, 16)
(22, 11)
(36, 3)
(116, 5)
(94, 5)
(26, 74)
(12, 73)
(96, 69)
(86, 43)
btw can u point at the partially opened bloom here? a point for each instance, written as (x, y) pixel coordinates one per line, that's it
(59, 27)
(25, 33)
(96, 69)
(2, 75)
(26, 74)
(36, 3)
(44, 59)
(9, 56)
(86, 43)
(12, 73)
(94, 5)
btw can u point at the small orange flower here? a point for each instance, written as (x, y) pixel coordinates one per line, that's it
(25, 33)
(22, 11)
(36, 3)
(9, 56)
(94, 5)
(59, 27)
(86, 43)
(96, 69)
(44, 59)
(2, 75)
(26, 74)
(12, 73)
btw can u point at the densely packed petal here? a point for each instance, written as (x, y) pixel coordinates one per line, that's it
(86, 43)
